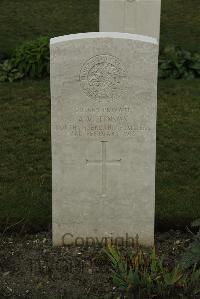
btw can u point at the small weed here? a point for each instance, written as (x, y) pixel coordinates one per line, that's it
(140, 274)
(191, 257)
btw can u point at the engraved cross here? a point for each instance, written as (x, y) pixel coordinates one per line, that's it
(103, 162)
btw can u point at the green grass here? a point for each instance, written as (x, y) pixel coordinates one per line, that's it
(180, 24)
(27, 19)
(22, 20)
(25, 172)
(178, 147)
(25, 155)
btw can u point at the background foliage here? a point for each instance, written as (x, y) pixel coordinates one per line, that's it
(179, 64)
(32, 58)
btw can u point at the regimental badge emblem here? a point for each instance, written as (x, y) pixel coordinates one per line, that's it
(103, 77)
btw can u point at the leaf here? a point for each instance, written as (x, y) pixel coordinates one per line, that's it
(191, 255)
(173, 277)
(119, 282)
(133, 278)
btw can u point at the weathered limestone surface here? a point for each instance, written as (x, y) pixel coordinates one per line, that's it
(104, 102)
(132, 16)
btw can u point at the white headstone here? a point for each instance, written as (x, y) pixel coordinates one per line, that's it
(132, 16)
(104, 101)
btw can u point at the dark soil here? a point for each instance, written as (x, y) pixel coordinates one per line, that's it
(31, 268)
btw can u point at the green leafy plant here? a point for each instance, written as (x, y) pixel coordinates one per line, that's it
(179, 64)
(8, 72)
(145, 275)
(191, 256)
(32, 58)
